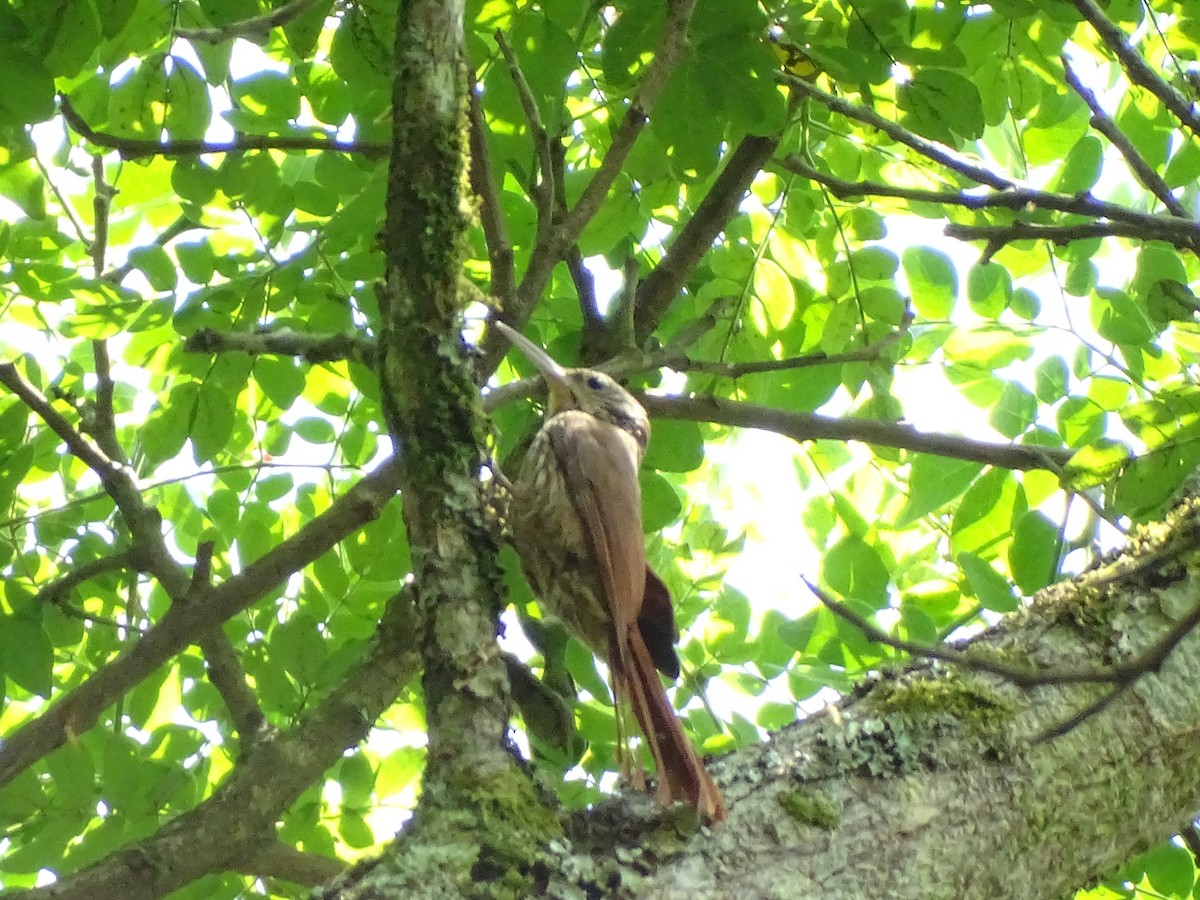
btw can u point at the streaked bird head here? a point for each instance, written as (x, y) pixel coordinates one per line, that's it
(587, 390)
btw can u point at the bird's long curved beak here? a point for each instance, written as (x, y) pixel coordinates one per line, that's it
(555, 375)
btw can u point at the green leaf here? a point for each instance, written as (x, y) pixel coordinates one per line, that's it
(25, 654)
(989, 288)
(1118, 319)
(932, 281)
(1015, 412)
(1169, 869)
(354, 830)
(21, 182)
(189, 110)
(28, 94)
(212, 422)
(675, 446)
(1033, 553)
(1052, 379)
(933, 482)
(630, 40)
(853, 568)
(660, 503)
(985, 517)
(989, 588)
(154, 263)
(315, 431)
(1081, 421)
(1081, 169)
(941, 103)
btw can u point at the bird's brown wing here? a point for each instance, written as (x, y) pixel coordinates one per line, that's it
(599, 464)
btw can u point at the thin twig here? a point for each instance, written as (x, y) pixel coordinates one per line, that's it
(57, 591)
(182, 225)
(1102, 703)
(869, 353)
(1022, 676)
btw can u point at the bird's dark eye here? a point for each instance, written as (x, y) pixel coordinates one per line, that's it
(595, 382)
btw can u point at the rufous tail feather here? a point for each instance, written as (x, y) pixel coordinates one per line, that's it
(681, 774)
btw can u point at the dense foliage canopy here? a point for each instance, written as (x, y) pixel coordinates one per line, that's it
(944, 251)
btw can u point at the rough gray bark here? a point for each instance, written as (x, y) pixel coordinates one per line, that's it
(930, 782)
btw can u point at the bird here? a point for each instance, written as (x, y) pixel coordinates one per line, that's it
(577, 526)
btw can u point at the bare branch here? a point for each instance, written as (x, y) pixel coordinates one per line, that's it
(658, 290)
(491, 211)
(135, 148)
(224, 668)
(929, 149)
(543, 188)
(1135, 67)
(103, 428)
(567, 231)
(116, 479)
(1017, 199)
(313, 348)
(285, 862)
(254, 29)
(666, 57)
(1104, 124)
(809, 427)
(182, 225)
(870, 353)
(1185, 236)
(234, 829)
(77, 710)
(148, 550)
(1122, 674)
(57, 591)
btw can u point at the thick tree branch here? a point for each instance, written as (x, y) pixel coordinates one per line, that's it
(658, 290)
(183, 623)
(431, 405)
